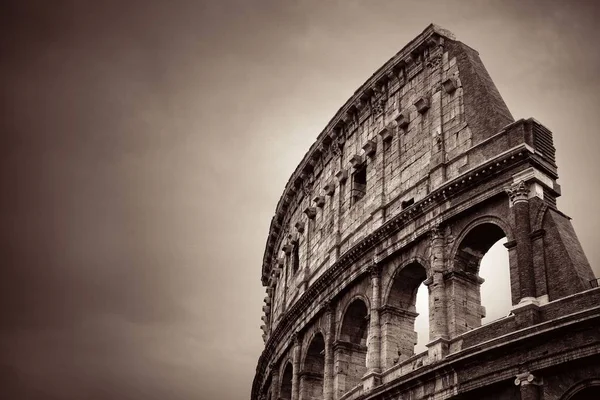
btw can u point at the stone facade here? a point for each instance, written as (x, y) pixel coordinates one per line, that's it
(411, 182)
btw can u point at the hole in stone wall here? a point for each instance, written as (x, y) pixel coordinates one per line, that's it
(422, 320)
(314, 369)
(495, 291)
(483, 241)
(295, 259)
(286, 383)
(352, 349)
(405, 315)
(355, 325)
(359, 183)
(408, 203)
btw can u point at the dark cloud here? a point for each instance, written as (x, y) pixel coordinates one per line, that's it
(145, 145)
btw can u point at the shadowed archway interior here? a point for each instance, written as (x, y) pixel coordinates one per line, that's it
(314, 367)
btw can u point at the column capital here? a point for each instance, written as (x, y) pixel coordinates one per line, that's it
(295, 338)
(518, 192)
(273, 368)
(527, 378)
(327, 307)
(374, 269)
(436, 233)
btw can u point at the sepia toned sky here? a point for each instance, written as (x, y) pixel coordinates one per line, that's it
(145, 145)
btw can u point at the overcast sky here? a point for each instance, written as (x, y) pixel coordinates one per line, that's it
(145, 145)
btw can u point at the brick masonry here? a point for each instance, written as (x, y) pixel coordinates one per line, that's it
(448, 173)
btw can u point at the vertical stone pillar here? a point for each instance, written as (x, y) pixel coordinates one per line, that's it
(296, 367)
(329, 360)
(274, 381)
(341, 176)
(530, 386)
(398, 337)
(341, 364)
(372, 377)
(438, 314)
(519, 199)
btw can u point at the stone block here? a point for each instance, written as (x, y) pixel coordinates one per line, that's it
(403, 119)
(370, 147)
(422, 104)
(450, 85)
(356, 161)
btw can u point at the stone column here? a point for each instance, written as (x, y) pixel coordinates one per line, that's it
(529, 386)
(329, 336)
(519, 199)
(274, 382)
(438, 314)
(372, 377)
(296, 367)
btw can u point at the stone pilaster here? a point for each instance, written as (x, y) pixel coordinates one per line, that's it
(438, 314)
(519, 202)
(398, 336)
(274, 382)
(329, 359)
(296, 367)
(529, 385)
(372, 377)
(527, 309)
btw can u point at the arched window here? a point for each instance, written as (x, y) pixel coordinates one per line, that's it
(466, 283)
(286, 383)
(311, 378)
(351, 348)
(399, 313)
(295, 258)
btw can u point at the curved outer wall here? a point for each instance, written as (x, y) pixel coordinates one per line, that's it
(412, 181)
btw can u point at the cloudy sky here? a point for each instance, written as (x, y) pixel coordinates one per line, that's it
(145, 145)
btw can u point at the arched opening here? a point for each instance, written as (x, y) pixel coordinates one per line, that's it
(311, 378)
(422, 320)
(466, 309)
(589, 393)
(495, 290)
(586, 390)
(286, 383)
(398, 316)
(355, 324)
(350, 351)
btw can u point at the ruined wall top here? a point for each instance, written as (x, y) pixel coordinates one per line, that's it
(484, 109)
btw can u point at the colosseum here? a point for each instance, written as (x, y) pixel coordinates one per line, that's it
(412, 181)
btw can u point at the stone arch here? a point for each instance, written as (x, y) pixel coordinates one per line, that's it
(487, 219)
(313, 368)
(355, 325)
(396, 270)
(588, 389)
(350, 350)
(345, 305)
(474, 241)
(399, 312)
(285, 390)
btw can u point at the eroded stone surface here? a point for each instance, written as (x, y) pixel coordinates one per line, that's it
(448, 174)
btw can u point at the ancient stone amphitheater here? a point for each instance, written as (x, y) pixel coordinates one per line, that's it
(412, 181)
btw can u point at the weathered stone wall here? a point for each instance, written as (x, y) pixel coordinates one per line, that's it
(447, 173)
(416, 132)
